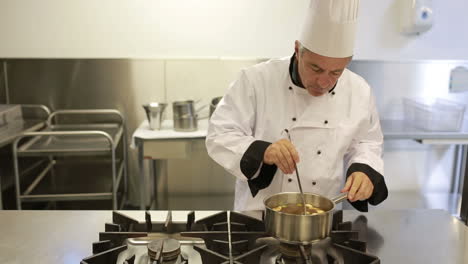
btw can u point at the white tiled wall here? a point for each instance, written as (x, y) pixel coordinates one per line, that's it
(193, 79)
(196, 79)
(230, 68)
(199, 79)
(148, 78)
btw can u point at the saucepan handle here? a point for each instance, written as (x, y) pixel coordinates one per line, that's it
(196, 113)
(340, 197)
(200, 108)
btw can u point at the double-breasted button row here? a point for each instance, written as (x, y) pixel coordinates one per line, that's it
(313, 183)
(294, 118)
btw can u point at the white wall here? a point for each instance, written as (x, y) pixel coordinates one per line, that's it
(156, 28)
(379, 37)
(214, 28)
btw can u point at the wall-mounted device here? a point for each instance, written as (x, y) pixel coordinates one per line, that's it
(416, 16)
(459, 79)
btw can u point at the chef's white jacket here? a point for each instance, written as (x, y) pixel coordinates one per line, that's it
(335, 134)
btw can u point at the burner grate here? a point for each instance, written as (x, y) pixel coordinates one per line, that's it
(224, 238)
(229, 238)
(342, 247)
(113, 240)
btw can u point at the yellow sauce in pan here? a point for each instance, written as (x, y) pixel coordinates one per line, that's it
(298, 209)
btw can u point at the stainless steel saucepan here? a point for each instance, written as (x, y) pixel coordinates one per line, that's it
(186, 116)
(300, 228)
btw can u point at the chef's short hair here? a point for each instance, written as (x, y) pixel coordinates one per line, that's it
(302, 49)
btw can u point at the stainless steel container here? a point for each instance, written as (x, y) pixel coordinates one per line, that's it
(214, 103)
(154, 113)
(296, 228)
(185, 117)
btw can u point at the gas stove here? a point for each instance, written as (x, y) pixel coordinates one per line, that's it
(221, 238)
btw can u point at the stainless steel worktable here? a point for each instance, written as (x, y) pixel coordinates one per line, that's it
(396, 236)
(159, 146)
(415, 236)
(398, 129)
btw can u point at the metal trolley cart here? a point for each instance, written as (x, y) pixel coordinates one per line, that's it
(31, 118)
(93, 135)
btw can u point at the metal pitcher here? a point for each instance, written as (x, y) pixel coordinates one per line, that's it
(154, 113)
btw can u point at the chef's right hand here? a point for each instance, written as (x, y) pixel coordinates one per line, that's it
(283, 154)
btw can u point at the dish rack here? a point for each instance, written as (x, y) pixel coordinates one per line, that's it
(92, 133)
(434, 114)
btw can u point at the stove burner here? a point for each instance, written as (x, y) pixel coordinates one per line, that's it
(291, 251)
(320, 251)
(166, 249)
(229, 238)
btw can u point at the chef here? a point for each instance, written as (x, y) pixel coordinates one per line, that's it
(328, 111)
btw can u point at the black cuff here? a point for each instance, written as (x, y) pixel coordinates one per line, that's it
(263, 179)
(380, 192)
(251, 161)
(253, 157)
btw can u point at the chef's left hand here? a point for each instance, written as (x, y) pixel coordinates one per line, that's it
(359, 187)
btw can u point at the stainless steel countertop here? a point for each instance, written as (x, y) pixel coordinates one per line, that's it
(413, 236)
(398, 129)
(396, 236)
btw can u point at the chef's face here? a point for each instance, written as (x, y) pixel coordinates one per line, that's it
(318, 73)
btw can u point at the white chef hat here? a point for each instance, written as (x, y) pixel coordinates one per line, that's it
(330, 27)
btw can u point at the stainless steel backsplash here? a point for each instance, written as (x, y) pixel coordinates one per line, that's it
(3, 93)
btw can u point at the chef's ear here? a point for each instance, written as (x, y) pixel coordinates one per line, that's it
(297, 46)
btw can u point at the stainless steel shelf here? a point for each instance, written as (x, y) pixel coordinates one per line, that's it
(69, 180)
(73, 144)
(7, 173)
(398, 129)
